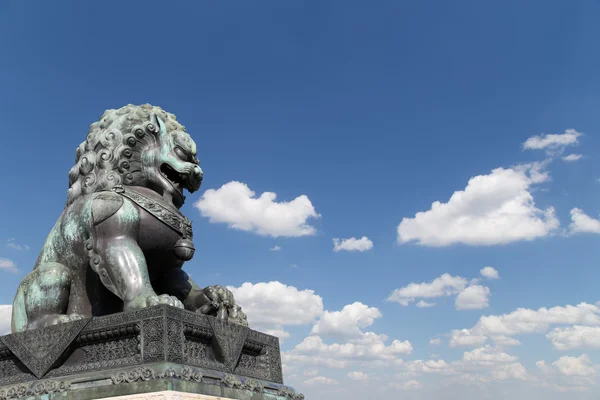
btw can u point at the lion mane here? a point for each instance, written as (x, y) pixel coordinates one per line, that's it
(112, 152)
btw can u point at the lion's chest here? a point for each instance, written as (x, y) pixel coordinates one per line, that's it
(157, 241)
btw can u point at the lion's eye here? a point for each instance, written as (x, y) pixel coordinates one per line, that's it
(180, 153)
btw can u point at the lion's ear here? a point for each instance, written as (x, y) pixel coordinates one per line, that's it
(159, 123)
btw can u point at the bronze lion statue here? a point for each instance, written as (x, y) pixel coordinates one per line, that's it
(121, 240)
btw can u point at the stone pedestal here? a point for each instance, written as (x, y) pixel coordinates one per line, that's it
(156, 353)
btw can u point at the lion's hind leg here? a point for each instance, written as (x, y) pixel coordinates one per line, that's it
(43, 298)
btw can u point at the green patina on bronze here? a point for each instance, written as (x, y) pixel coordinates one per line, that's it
(121, 240)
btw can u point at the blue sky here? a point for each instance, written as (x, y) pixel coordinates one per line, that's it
(373, 112)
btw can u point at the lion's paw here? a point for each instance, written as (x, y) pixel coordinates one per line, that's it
(68, 318)
(144, 301)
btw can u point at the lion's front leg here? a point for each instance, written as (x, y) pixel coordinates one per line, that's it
(127, 275)
(119, 260)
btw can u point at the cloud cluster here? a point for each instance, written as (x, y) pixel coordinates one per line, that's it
(352, 244)
(489, 273)
(271, 306)
(575, 337)
(502, 328)
(583, 223)
(481, 365)
(469, 294)
(370, 348)
(493, 209)
(346, 323)
(553, 143)
(236, 205)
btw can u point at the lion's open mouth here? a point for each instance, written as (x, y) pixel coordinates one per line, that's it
(177, 180)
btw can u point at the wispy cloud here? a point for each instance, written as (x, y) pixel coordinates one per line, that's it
(14, 245)
(8, 265)
(553, 144)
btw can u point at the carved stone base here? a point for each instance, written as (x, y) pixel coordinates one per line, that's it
(151, 350)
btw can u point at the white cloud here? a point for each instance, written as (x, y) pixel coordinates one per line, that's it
(311, 372)
(465, 338)
(568, 374)
(488, 354)
(445, 285)
(346, 323)
(505, 341)
(553, 143)
(419, 367)
(473, 298)
(358, 376)
(435, 341)
(273, 305)
(575, 366)
(14, 245)
(542, 366)
(522, 321)
(525, 320)
(8, 265)
(236, 205)
(320, 380)
(489, 273)
(5, 319)
(493, 209)
(582, 223)
(275, 248)
(424, 304)
(370, 348)
(573, 157)
(352, 244)
(575, 337)
(514, 371)
(481, 365)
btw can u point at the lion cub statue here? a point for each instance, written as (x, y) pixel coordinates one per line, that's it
(121, 240)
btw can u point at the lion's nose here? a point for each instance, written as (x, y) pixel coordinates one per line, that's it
(196, 178)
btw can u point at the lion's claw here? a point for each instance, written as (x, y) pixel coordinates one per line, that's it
(146, 300)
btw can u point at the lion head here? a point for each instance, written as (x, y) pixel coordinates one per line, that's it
(136, 146)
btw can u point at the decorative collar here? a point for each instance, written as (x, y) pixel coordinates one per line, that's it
(172, 219)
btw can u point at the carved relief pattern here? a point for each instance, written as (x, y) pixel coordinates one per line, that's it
(263, 338)
(153, 339)
(113, 350)
(254, 365)
(276, 372)
(110, 347)
(34, 389)
(38, 349)
(10, 371)
(199, 353)
(175, 340)
(125, 318)
(230, 340)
